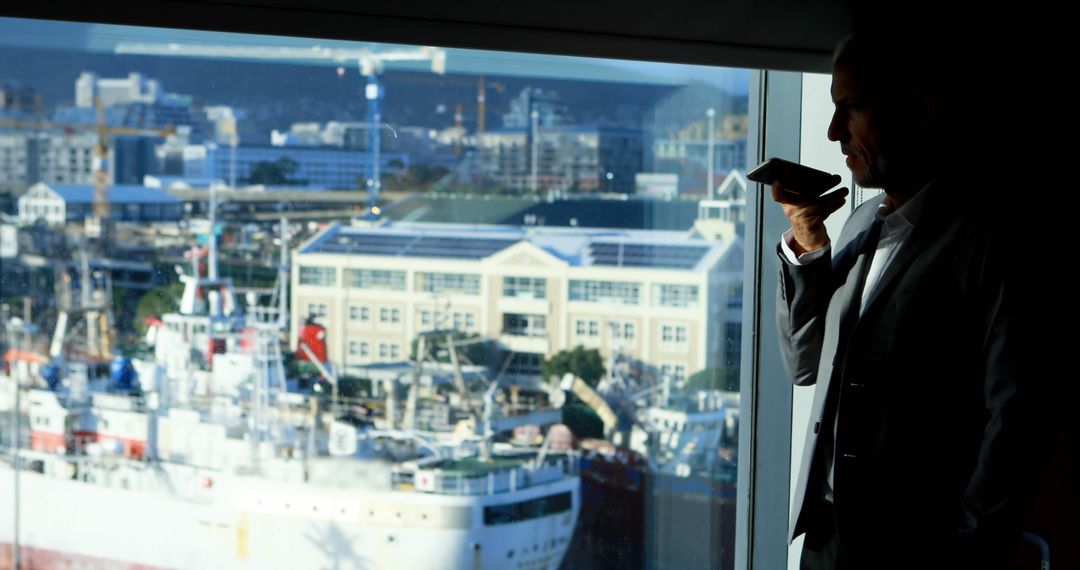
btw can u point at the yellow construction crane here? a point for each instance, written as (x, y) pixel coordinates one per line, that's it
(97, 225)
(482, 87)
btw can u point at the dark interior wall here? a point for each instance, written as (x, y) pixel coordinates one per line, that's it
(777, 34)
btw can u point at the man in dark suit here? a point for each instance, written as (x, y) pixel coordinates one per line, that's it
(920, 433)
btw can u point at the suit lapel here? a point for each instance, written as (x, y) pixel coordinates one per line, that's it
(850, 292)
(937, 211)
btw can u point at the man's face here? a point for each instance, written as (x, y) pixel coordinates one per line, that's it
(858, 129)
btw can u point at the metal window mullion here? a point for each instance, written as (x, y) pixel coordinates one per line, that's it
(765, 406)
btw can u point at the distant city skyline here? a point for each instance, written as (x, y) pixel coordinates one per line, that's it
(103, 38)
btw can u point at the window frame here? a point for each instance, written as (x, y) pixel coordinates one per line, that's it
(763, 497)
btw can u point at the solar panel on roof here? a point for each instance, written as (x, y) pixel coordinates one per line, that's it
(412, 246)
(646, 255)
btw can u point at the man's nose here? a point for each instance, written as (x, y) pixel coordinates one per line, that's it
(836, 131)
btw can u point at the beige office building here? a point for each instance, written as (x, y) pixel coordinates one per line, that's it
(666, 299)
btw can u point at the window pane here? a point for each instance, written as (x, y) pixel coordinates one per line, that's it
(323, 317)
(605, 292)
(442, 283)
(324, 276)
(375, 279)
(665, 295)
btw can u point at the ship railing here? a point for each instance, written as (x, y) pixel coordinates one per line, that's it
(265, 315)
(486, 481)
(188, 481)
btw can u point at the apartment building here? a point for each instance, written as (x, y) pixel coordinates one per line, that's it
(660, 298)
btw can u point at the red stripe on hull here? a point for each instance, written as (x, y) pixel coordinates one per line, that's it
(47, 559)
(49, 442)
(134, 448)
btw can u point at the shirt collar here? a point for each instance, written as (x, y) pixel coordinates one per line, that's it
(906, 216)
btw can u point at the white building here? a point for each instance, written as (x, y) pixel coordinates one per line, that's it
(131, 89)
(42, 203)
(46, 156)
(316, 167)
(725, 217)
(58, 204)
(658, 297)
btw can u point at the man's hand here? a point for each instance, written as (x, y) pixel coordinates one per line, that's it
(807, 215)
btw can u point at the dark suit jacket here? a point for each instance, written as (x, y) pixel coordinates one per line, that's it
(933, 431)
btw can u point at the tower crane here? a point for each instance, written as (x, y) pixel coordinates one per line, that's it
(97, 225)
(371, 64)
(88, 323)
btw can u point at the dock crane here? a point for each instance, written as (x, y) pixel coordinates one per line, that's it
(88, 323)
(97, 225)
(371, 64)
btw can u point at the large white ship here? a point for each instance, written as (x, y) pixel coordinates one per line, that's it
(214, 463)
(86, 512)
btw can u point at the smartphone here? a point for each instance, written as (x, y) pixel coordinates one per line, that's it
(796, 178)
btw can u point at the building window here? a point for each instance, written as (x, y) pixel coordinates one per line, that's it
(448, 283)
(616, 292)
(665, 295)
(676, 372)
(673, 334)
(389, 351)
(389, 315)
(361, 313)
(375, 279)
(322, 276)
(525, 287)
(525, 325)
(317, 310)
(470, 321)
(621, 330)
(459, 321)
(587, 328)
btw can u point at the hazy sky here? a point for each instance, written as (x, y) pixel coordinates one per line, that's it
(104, 38)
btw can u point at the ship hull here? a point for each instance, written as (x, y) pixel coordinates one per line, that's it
(250, 523)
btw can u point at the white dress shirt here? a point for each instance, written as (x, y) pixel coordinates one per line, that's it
(897, 226)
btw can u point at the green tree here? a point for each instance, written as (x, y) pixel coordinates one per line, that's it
(277, 173)
(157, 302)
(581, 362)
(416, 177)
(722, 378)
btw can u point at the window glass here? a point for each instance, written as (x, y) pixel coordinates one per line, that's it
(666, 295)
(375, 279)
(525, 287)
(317, 310)
(323, 276)
(605, 292)
(444, 283)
